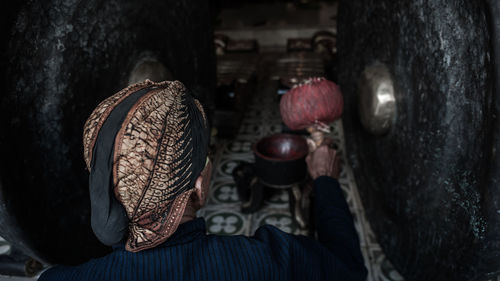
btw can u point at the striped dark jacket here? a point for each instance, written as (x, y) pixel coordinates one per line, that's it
(191, 254)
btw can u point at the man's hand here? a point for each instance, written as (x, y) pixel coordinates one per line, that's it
(323, 161)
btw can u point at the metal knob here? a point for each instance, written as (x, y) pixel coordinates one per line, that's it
(149, 68)
(377, 102)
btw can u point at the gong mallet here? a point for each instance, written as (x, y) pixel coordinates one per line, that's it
(312, 105)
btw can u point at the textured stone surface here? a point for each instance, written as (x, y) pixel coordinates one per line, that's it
(61, 58)
(429, 184)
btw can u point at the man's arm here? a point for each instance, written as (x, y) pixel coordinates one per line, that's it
(334, 221)
(335, 224)
(337, 255)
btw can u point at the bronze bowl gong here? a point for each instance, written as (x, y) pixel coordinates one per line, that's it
(280, 160)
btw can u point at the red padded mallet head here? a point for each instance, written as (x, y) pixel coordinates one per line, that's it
(311, 105)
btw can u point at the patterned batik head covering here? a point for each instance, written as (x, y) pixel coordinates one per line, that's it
(144, 147)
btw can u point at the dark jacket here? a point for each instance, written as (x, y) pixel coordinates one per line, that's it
(271, 254)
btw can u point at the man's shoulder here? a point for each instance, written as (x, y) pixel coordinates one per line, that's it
(263, 231)
(265, 237)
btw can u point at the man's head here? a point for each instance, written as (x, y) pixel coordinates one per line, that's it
(146, 147)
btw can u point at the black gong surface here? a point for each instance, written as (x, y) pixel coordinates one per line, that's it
(59, 60)
(430, 185)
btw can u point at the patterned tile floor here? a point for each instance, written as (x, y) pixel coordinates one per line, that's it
(222, 212)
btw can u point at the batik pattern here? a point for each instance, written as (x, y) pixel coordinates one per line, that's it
(101, 113)
(152, 165)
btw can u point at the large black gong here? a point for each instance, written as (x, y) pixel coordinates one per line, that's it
(430, 183)
(59, 60)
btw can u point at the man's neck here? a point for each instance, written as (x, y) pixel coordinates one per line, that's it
(189, 214)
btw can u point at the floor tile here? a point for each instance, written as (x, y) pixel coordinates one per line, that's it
(279, 218)
(224, 193)
(226, 166)
(226, 221)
